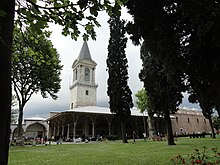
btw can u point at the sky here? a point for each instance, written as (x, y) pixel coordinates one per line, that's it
(69, 50)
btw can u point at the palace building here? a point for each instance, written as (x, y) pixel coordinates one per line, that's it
(85, 119)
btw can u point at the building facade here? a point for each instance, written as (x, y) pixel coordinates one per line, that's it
(33, 128)
(190, 121)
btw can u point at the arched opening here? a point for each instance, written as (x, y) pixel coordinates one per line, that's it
(87, 74)
(101, 127)
(35, 130)
(15, 133)
(177, 121)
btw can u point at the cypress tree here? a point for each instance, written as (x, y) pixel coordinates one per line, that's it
(118, 90)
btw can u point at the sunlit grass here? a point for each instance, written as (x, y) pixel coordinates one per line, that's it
(114, 153)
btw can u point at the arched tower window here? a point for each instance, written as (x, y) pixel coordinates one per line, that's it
(188, 120)
(76, 74)
(87, 74)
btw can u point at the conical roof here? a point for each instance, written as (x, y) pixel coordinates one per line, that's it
(84, 56)
(84, 53)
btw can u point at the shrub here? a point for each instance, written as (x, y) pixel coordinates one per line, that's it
(203, 157)
(112, 137)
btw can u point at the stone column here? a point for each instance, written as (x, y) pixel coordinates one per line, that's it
(58, 131)
(54, 131)
(136, 127)
(109, 128)
(86, 128)
(93, 119)
(47, 133)
(74, 131)
(68, 131)
(62, 131)
(93, 129)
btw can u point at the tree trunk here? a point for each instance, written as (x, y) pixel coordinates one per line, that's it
(170, 138)
(151, 126)
(20, 120)
(123, 134)
(6, 32)
(212, 127)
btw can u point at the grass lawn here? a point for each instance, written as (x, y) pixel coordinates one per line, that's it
(108, 153)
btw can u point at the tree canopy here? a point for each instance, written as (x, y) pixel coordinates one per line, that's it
(142, 100)
(35, 68)
(183, 35)
(69, 14)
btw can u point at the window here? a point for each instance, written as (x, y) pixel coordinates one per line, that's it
(197, 121)
(177, 120)
(204, 121)
(76, 74)
(87, 92)
(87, 74)
(188, 120)
(71, 105)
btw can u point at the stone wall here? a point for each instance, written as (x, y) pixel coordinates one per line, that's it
(189, 121)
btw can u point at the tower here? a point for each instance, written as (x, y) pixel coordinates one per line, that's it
(83, 88)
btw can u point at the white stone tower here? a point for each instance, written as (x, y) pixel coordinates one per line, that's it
(83, 88)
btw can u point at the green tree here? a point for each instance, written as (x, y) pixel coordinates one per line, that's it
(118, 90)
(202, 54)
(216, 122)
(143, 104)
(142, 100)
(164, 96)
(184, 35)
(35, 68)
(36, 16)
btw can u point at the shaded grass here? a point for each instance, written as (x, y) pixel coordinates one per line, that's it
(108, 153)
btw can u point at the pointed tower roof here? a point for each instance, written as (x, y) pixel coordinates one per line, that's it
(84, 56)
(84, 53)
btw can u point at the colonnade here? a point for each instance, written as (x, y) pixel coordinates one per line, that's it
(71, 125)
(67, 127)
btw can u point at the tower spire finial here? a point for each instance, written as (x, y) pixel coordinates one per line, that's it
(84, 53)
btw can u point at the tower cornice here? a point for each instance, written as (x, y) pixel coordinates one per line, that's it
(77, 83)
(86, 62)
